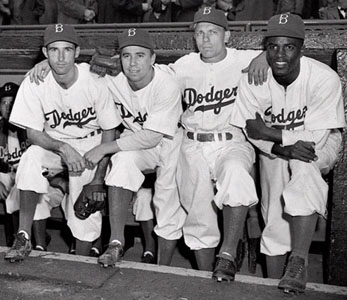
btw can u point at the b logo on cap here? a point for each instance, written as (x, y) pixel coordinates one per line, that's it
(283, 19)
(207, 10)
(59, 28)
(8, 88)
(132, 32)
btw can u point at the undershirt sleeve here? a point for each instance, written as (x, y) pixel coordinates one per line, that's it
(139, 140)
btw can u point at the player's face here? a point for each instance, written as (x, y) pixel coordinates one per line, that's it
(61, 56)
(6, 104)
(283, 55)
(211, 39)
(137, 65)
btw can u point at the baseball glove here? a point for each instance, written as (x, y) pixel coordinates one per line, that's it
(105, 61)
(87, 202)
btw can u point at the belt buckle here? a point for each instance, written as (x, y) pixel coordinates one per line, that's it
(205, 137)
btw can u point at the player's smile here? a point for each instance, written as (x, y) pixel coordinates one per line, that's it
(137, 65)
(283, 55)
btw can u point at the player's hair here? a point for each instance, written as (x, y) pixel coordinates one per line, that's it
(151, 51)
(62, 41)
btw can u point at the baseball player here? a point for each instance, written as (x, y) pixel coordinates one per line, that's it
(14, 144)
(167, 227)
(293, 119)
(214, 154)
(151, 140)
(66, 116)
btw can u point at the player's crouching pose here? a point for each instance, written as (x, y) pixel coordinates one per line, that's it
(293, 119)
(214, 154)
(65, 116)
(151, 140)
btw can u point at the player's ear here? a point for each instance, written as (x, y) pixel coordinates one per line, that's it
(77, 52)
(44, 51)
(227, 36)
(153, 57)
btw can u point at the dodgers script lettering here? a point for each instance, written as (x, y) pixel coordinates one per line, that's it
(70, 118)
(193, 98)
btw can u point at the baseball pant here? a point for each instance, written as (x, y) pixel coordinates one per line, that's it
(29, 178)
(126, 172)
(205, 166)
(293, 188)
(52, 199)
(142, 205)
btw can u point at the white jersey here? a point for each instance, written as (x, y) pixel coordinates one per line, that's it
(65, 113)
(15, 150)
(156, 107)
(312, 102)
(210, 89)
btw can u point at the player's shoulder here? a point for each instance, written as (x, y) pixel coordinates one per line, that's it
(163, 78)
(188, 58)
(85, 75)
(243, 54)
(318, 70)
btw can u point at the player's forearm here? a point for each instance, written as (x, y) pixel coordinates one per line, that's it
(45, 141)
(107, 137)
(270, 134)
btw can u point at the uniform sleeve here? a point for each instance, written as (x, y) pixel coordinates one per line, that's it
(166, 68)
(319, 137)
(27, 110)
(245, 107)
(139, 140)
(108, 115)
(325, 109)
(175, 70)
(165, 113)
(264, 146)
(246, 56)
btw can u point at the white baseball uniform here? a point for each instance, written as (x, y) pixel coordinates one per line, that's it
(309, 109)
(76, 116)
(12, 153)
(209, 90)
(156, 107)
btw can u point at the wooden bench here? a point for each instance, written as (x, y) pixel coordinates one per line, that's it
(325, 41)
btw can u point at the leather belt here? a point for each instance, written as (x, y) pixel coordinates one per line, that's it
(209, 137)
(93, 133)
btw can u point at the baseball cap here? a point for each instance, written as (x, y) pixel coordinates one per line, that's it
(60, 32)
(211, 15)
(287, 24)
(135, 37)
(9, 89)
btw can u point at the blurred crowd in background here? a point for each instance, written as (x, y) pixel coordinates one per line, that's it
(29, 12)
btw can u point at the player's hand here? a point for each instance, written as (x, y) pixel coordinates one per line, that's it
(301, 150)
(39, 72)
(256, 128)
(73, 160)
(94, 156)
(3, 191)
(257, 69)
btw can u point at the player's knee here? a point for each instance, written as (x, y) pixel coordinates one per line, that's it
(235, 167)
